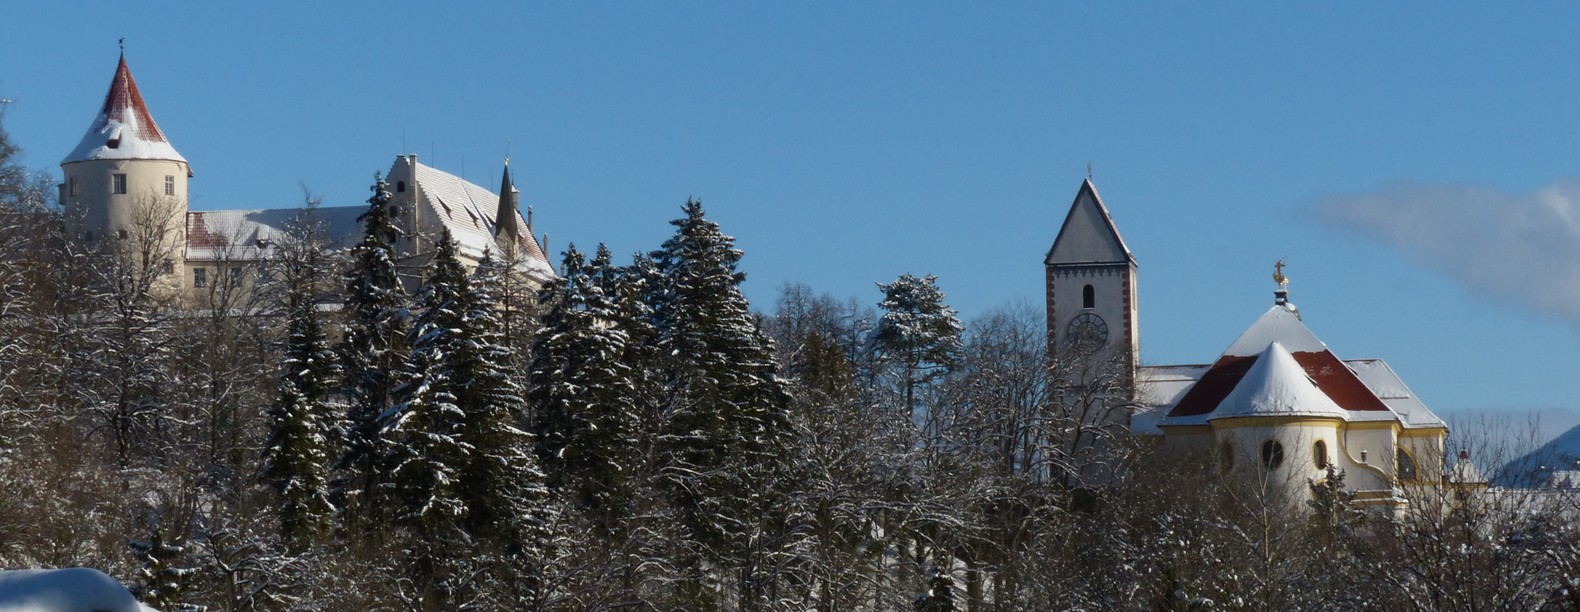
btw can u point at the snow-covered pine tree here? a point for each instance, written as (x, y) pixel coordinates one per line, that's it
(727, 417)
(585, 392)
(918, 338)
(421, 430)
(372, 351)
(297, 456)
(508, 506)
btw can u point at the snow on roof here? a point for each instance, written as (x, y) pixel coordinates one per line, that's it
(1278, 324)
(77, 588)
(1465, 471)
(468, 209)
(1387, 385)
(1276, 385)
(124, 128)
(246, 234)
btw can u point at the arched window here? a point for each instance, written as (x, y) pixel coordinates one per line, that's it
(1319, 454)
(1405, 468)
(1088, 297)
(400, 186)
(1272, 454)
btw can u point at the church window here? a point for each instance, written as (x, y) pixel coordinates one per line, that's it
(400, 186)
(1088, 297)
(1319, 454)
(1405, 469)
(120, 234)
(170, 185)
(1226, 457)
(1272, 454)
(167, 267)
(119, 185)
(75, 188)
(200, 277)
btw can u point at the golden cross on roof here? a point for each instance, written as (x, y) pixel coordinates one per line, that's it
(1278, 273)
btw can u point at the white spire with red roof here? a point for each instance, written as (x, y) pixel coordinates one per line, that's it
(124, 129)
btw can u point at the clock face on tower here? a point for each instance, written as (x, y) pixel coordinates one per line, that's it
(1087, 327)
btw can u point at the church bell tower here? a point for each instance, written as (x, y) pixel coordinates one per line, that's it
(1091, 285)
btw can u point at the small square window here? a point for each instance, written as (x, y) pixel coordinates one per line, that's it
(120, 184)
(75, 188)
(168, 267)
(200, 277)
(170, 185)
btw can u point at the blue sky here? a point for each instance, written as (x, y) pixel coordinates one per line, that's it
(1411, 162)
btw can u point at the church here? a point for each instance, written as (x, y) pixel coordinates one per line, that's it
(125, 187)
(1277, 406)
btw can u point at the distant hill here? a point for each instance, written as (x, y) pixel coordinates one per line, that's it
(1559, 456)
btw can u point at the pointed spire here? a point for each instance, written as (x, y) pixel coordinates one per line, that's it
(505, 227)
(124, 129)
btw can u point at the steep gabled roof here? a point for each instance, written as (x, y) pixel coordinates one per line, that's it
(1088, 235)
(124, 129)
(468, 210)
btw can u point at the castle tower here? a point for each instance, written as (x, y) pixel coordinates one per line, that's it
(125, 185)
(1091, 285)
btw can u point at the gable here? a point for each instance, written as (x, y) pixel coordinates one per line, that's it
(1088, 235)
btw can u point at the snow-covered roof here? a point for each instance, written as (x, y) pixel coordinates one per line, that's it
(241, 235)
(1268, 370)
(1384, 382)
(76, 588)
(468, 211)
(124, 129)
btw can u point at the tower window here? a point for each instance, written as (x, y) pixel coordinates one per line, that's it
(1088, 297)
(74, 188)
(120, 234)
(119, 185)
(170, 185)
(1319, 454)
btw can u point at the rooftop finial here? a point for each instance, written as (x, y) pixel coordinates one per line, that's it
(1281, 294)
(122, 44)
(1088, 171)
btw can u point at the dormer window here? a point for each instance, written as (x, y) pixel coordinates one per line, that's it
(118, 184)
(1088, 297)
(113, 143)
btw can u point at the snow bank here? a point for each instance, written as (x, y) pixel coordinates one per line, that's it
(72, 589)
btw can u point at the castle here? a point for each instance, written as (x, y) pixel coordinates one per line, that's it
(125, 186)
(1278, 406)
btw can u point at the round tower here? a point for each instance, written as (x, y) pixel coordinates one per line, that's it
(125, 186)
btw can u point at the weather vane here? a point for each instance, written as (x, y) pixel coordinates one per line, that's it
(1088, 171)
(1278, 273)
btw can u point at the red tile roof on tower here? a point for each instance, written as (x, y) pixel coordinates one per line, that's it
(124, 129)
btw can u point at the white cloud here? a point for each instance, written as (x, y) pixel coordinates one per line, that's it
(1522, 248)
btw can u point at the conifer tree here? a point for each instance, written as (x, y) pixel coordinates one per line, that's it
(300, 450)
(373, 350)
(918, 336)
(421, 430)
(297, 456)
(501, 482)
(585, 389)
(726, 411)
